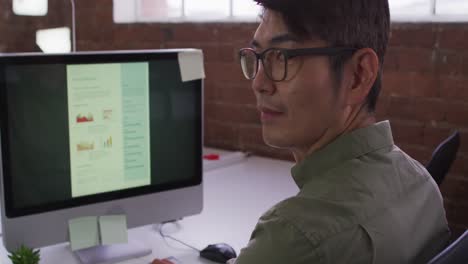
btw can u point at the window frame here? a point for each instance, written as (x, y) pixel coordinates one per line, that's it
(432, 16)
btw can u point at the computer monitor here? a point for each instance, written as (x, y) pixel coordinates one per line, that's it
(93, 134)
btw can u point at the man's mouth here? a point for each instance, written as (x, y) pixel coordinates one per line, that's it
(268, 114)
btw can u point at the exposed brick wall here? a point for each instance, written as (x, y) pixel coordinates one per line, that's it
(426, 98)
(425, 92)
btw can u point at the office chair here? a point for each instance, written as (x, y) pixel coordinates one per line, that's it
(443, 157)
(455, 253)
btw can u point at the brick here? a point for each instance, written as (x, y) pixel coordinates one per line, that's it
(453, 37)
(238, 33)
(460, 165)
(410, 84)
(251, 135)
(58, 11)
(236, 93)
(99, 34)
(6, 5)
(391, 59)
(7, 43)
(224, 72)
(454, 88)
(397, 83)
(418, 109)
(407, 132)
(231, 113)
(221, 135)
(129, 37)
(465, 64)
(434, 135)
(457, 211)
(416, 60)
(429, 109)
(100, 5)
(449, 62)
(3, 26)
(382, 107)
(209, 92)
(133, 45)
(457, 114)
(147, 33)
(413, 35)
(424, 85)
(463, 142)
(194, 32)
(25, 42)
(228, 53)
(399, 107)
(455, 187)
(90, 45)
(101, 15)
(137, 33)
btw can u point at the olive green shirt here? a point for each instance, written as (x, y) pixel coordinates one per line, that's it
(361, 200)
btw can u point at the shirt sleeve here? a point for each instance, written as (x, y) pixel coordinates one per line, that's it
(352, 246)
(276, 241)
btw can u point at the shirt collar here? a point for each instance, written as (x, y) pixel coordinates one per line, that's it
(346, 147)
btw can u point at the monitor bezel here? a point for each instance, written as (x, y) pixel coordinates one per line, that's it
(88, 58)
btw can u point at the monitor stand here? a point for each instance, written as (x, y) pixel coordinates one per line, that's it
(113, 253)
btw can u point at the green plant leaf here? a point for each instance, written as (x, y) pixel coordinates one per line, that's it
(25, 255)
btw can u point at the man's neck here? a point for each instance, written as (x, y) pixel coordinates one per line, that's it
(357, 119)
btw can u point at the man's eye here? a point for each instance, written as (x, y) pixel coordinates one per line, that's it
(278, 55)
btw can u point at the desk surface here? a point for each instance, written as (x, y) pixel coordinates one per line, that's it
(234, 198)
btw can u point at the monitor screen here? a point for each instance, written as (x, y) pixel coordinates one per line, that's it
(90, 128)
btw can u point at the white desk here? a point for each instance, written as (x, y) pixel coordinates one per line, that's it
(234, 198)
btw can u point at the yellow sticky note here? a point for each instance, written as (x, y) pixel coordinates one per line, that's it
(83, 232)
(113, 229)
(191, 65)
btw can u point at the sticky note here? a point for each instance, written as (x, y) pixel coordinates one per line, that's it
(83, 232)
(113, 229)
(191, 65)
(54, 40)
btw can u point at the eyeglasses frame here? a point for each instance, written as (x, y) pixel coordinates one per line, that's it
(291, 53)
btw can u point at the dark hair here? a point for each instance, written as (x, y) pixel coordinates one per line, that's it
(341, 23)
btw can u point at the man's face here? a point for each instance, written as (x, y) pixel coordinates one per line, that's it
(297, 112)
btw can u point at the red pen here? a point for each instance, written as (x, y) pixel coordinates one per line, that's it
(211, 157)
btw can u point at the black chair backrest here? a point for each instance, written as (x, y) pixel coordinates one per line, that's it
(455, 253)
(443, 157)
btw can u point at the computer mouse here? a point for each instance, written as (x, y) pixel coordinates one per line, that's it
(219, 253)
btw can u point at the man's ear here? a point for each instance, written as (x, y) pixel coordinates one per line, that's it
(364, 69)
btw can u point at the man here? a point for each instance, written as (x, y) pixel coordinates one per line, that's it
(316, 70)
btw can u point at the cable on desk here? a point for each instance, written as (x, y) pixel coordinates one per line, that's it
(164, 236)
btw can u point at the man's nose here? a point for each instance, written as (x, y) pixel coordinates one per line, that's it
(262, 84)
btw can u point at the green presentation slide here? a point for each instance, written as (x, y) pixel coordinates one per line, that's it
(108, 112)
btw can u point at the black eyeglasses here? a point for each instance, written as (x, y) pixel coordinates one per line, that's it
(275, 60)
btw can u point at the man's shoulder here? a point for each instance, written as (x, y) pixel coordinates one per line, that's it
(281, 237)
(378, 176)
(385, 159)
(360, 189)
(315, 219)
